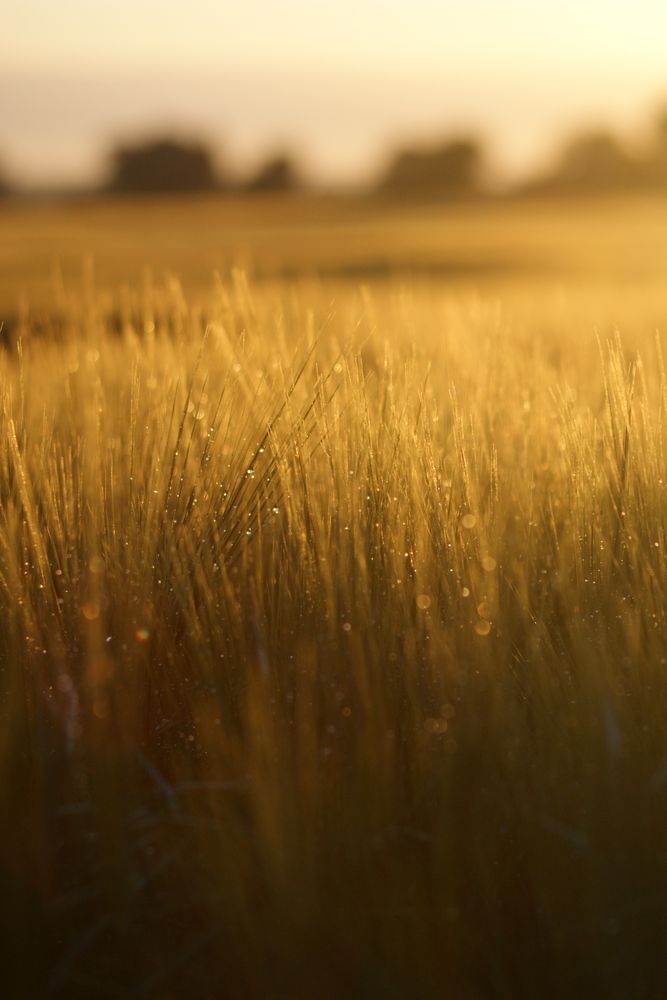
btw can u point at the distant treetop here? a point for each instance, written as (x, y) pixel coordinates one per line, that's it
(597, 162)
(163, 165)
(5, 187)
(659, 157)
(449, 169)
(596, 159)
(277, 174)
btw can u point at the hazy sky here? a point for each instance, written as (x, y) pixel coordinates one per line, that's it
(339, 81)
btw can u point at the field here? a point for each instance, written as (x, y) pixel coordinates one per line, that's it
(333, 658)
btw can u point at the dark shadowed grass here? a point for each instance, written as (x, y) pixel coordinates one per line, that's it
(333, 653)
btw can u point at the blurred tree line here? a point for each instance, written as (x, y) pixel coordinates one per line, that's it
(455, 168)
(167, 165)
(594, 161)
(450, 169)
(599, 161)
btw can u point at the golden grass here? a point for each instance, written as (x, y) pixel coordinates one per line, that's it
(333, 649)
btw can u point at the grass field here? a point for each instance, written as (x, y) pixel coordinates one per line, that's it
(485, 243)
(333, 659)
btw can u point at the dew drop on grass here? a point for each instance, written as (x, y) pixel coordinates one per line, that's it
(436, 726)
(482, 627)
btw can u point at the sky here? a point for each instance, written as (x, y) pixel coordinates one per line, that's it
(340, 83)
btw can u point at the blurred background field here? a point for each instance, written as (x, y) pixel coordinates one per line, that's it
(493, 246)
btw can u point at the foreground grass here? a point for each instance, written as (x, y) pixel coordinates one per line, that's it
(333, 651)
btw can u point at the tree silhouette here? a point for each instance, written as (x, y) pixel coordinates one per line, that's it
(661, 126)
(595, 161)
(276, 174)
(657, 164)
(162, 165)
(5, 187)
(451, 169)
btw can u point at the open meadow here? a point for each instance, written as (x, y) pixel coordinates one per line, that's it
(333, 658)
